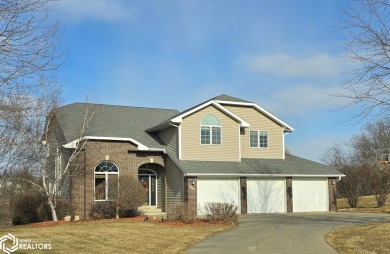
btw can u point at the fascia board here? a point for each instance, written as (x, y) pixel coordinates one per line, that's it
(264, 175)
(265, 112)
(179, 118)
(141, 147)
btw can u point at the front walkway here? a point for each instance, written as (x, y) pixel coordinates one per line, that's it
(283, 233)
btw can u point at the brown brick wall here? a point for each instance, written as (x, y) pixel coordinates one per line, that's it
(332, 194)
(190, 193)
(289, 194)
(127, 162)
(244, 193)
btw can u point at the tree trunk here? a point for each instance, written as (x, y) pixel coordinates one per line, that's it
(53, 209)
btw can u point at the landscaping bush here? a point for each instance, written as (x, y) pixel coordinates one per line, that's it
(127, 213)
(221, 212)
(44, 212)
(25, 209)
(103, 210)
(183, 213)
(130, 195)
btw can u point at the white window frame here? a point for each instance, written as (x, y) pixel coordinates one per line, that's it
(210, 128)
(106, 198)
(258, 139)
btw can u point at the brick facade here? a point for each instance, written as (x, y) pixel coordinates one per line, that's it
(128, 161)
(244, 193)
(190, 193)
(332, 194)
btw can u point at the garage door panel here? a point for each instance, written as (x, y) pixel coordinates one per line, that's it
(310, 195)
(213, 190)
(266, 195)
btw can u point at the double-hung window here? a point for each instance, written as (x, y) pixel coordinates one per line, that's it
(258, 139)
(210, 130)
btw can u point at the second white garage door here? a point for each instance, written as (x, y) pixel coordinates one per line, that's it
(266, 195)
(218, 190)
(310, 195)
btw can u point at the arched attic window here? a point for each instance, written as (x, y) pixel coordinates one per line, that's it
(106, 181)
(210, 130)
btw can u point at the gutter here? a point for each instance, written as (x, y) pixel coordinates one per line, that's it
(264, 175)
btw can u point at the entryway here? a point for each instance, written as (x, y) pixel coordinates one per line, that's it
(148, 179)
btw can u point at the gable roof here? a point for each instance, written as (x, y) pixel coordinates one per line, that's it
(289, 167)
(218, 102)
(109, 121)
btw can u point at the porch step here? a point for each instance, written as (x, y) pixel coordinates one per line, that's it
(152, 212)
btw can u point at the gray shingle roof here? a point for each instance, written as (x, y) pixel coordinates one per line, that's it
(131, 122)
(290, 166)
(224, 97)
(112, 121)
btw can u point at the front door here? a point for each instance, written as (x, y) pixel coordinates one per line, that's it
(148, 180)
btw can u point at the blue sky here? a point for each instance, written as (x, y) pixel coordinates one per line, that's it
(285, 56)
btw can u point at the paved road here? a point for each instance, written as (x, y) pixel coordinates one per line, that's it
(283, 233)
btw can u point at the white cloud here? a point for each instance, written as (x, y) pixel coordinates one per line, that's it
(105, 10)
(283, 65)
(302, 99)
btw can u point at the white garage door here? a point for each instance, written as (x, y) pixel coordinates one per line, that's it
(213, 190)
(266, 195)
(310, 195)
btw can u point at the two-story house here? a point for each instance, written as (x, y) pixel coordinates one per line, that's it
(223, 150)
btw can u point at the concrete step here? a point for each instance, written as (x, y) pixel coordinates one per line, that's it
(156, 215)
(152, 212)
(148, 209)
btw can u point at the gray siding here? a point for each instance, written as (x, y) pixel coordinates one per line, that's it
(175, 182)
(160, 193)
(170, 136)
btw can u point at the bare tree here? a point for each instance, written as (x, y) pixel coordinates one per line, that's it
(50, 162)
(29, 57)
(368, 45)
(356, 158)
(35, 125)
(28, 43)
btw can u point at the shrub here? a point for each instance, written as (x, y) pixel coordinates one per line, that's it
(44, 212)
(25, 209)
(183, 213)
(103, 210)
(126, 213)
(221, 212)
(130, 195)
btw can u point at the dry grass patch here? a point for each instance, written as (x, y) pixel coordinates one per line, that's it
(367, 204)
(371, 238)
(115, 236)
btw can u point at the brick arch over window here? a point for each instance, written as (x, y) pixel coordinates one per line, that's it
(210, 130)
(105, 180)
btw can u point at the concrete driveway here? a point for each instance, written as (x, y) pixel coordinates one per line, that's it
(283, 233)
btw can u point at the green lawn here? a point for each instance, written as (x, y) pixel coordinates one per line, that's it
(114, 236)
